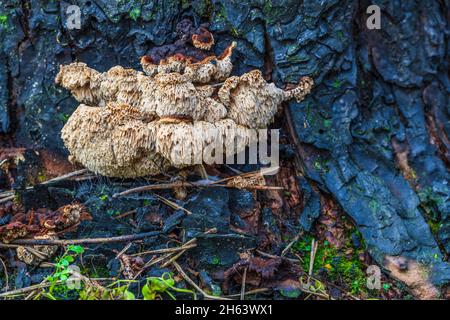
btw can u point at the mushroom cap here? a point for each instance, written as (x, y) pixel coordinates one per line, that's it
(211, 68)
(113, 141)
(78, 78)
(250, 100)
(203, 40)
(75, 75)
(149, 66)
(148, 123)
(26, 255)
(189, 143)
(175, 95)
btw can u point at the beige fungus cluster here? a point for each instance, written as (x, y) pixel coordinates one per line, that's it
(133, 124)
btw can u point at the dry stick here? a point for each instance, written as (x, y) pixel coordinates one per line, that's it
(125, 214)
(172, 204)
(27, 289)
(312, 258)
(168, 250)
(45, 242)
(254, 291)
(177, 184)
(66, 176)
(124, 250)
(149, 263)
(184, 247)
(192, 283)
(193, 240)
(3, 200)
(10, 194)
(285, 250)
(244, 277)
(6, 273)
(268, 255)
(8, 246)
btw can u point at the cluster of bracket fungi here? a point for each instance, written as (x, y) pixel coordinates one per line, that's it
(129, 122)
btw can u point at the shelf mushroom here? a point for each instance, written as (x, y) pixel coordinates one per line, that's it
(131, 124)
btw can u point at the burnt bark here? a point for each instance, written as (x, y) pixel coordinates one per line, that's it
(374, 133)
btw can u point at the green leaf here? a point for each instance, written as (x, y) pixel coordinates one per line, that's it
(64, 262)
(76, 249)
(129, 295)
(147, 293)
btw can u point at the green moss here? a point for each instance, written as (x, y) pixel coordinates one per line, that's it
(41, 177)
(271, 12)
(338, 265)
(374, 206)
(215, 260)
(434, 226)
(234, 32)
(63, 117)
(202, 8)
(340, 35)
(221, 15)
(135, 13)
(4, 21)
(337, 84)
(327, 123)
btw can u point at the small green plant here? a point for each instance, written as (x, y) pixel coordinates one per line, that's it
(4, 21)
(135, 13)
(337, 84)
(61, 273)
(164, 284)
(104, 197)
(63, 117)
(215, 260)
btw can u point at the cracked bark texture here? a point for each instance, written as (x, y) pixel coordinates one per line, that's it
(373, 133)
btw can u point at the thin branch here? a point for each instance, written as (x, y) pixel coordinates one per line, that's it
(192, 283)
(244, 278)
(6, 273)
(46, 242)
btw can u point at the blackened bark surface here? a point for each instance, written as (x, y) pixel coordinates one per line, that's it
(374, 133)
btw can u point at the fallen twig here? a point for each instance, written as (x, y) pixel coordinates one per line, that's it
(167, 250)
(184, 184)
(244, 277)
(172, 204)
(45, 242)
(27, 289)
(9, 195)
(250, 292)
(192, 283)
(5, 270)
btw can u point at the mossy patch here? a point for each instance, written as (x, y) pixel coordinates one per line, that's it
(340, 265)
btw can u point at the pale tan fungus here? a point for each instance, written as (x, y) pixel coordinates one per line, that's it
(211, 68)
(113, 141)
(204, 40)
(138, 125)
(39, 253)
(252, 102)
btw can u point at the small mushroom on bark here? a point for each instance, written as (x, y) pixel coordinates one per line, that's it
(113, 141)
(203, 40)
(78, 77)
(91, 87)
(211, 68)
(252, 102)
(37, 254)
